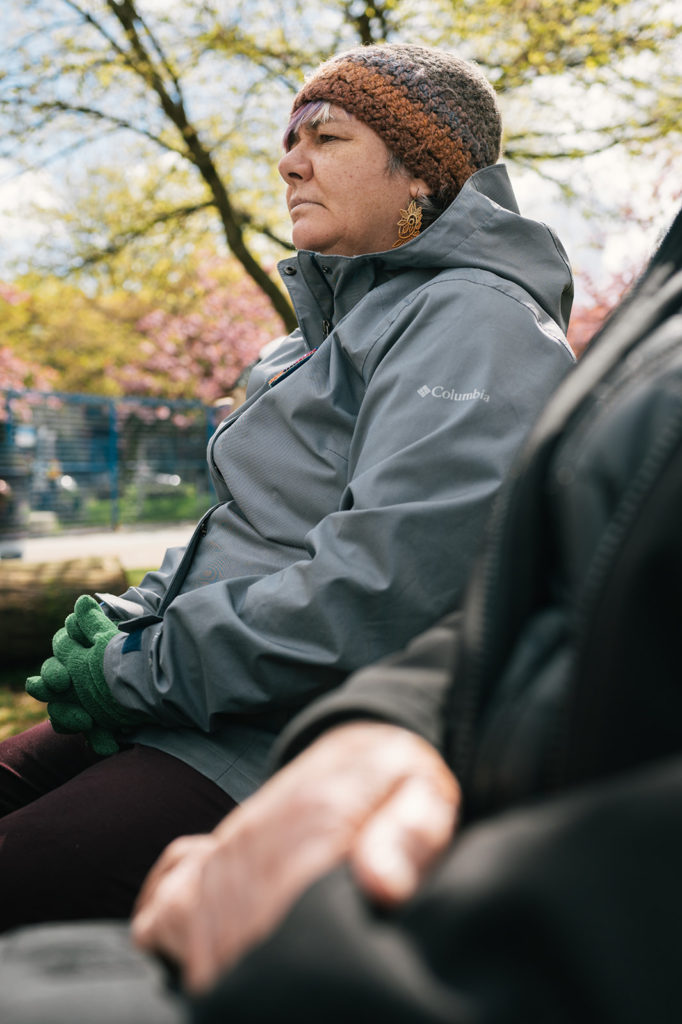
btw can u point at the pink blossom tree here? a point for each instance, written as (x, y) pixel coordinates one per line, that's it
(201, 351)
(587, 318)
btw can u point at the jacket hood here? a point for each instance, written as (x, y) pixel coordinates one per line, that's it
(481, 229)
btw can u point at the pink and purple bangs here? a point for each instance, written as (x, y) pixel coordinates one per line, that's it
(314, 112)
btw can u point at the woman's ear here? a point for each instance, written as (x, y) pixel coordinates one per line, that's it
(418, 187)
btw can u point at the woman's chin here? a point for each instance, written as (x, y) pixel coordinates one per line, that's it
(306, 234)
(310, 240)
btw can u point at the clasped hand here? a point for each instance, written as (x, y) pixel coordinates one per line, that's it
(374, 794)
(72, 682)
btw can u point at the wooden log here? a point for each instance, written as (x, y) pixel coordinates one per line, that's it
(36, 597)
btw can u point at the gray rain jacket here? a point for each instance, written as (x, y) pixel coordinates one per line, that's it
(377, 432)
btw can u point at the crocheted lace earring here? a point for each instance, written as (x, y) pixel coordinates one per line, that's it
(409, 224)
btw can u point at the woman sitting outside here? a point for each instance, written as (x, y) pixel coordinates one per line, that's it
(353, 485)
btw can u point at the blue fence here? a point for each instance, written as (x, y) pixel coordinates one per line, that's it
(70, 461)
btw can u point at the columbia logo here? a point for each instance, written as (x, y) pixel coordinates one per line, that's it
(450, 395)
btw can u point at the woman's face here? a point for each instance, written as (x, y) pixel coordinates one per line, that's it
(342, 198)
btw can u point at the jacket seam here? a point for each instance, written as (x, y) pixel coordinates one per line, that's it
(456, 274)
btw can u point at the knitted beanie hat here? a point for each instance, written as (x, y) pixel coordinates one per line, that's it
(434, 111)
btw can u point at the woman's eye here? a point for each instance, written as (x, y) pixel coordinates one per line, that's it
(327, 138)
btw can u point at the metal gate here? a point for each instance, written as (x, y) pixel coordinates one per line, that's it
(86, 461)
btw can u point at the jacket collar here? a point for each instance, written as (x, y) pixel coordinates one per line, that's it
(482, 228)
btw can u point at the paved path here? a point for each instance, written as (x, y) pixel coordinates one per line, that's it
(136, 548)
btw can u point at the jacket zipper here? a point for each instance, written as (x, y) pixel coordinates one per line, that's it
(181, 572)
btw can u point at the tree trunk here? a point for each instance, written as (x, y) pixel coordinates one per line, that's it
(35, 599)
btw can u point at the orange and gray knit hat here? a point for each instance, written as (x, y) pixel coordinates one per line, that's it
(436, 112)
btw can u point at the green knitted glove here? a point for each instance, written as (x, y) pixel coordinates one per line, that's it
(73, 684)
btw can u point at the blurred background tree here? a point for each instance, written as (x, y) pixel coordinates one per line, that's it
(188, 331)
(151, 131)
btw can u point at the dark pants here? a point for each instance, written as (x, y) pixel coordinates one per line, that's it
(79, 832)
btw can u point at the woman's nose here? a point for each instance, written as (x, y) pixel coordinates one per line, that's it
(295, 164)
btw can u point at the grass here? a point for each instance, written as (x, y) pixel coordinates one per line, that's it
(18, 711)
(176, 504)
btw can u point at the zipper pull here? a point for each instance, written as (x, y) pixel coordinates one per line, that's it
(326, 328)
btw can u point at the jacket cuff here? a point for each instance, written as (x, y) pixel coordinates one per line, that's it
(407, 689)
(127, 671)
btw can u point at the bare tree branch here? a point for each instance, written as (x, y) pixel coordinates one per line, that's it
(124, 238)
